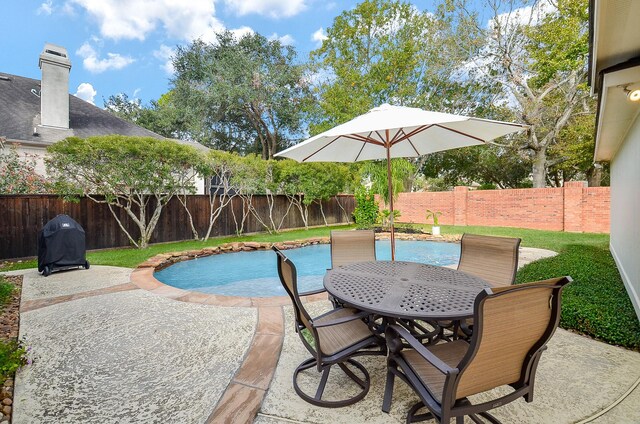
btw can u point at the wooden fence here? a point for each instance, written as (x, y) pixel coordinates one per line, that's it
(21, 217)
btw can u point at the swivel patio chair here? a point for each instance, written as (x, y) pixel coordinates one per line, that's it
(348, 247)
(513, 326)
(336, 338)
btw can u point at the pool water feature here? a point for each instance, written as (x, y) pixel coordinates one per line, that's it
(255, 274)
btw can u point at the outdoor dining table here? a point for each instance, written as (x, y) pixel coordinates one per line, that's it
(405, 290)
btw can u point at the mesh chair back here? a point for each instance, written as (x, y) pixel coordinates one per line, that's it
(494, 259)
(289, 280)
(348, 247)
(511, 325)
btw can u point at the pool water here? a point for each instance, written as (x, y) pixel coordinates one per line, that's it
(255, 274)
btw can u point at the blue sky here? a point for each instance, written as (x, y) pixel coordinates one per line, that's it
(124, 45)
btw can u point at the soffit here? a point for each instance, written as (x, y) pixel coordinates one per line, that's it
(616, 35)
(617, 113)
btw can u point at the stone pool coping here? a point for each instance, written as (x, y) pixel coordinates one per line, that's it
(143, 275)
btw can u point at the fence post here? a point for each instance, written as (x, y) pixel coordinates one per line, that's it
(460, 205)
(572, 207)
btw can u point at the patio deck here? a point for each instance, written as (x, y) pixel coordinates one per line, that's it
(108, 351)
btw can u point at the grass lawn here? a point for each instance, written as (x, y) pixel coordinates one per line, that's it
(130, 258)
(596, 303)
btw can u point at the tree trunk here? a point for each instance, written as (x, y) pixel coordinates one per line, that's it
(594, 175)
(539, 170)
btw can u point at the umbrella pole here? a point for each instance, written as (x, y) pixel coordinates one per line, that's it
(393, 237)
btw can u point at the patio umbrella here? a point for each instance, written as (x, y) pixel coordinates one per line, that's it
(388, 131)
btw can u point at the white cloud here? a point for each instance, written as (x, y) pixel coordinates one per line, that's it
(528, 15)
(134, 19)
(165, 54)
(285, 40)
(46, 8)
(319, 36)
(86, 92)
(242, 31)
(94, 64)
(271, 8)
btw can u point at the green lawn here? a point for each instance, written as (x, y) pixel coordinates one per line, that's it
(596, 303)
(130, 258)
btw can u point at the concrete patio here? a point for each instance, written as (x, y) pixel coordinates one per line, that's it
(106, 350)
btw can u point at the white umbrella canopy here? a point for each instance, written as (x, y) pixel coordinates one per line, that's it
(388, 131)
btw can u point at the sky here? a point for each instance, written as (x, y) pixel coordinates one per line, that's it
(124, 46)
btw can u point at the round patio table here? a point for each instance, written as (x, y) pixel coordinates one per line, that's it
(405, 290)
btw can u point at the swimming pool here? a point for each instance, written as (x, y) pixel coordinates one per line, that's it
(254, 274)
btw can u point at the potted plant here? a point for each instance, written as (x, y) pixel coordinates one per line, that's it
(435, 228)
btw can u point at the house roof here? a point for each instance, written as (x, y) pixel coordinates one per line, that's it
(20, 115)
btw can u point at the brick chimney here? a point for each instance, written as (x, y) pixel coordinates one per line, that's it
(54, 92)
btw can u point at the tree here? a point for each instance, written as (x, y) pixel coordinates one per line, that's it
(498, 166)
(161, 116)
(221, 167)
(391, 52)
(402, 171)
(308, 183)
(18, 175)
(124, 108)
(135, 174)
(375, 53)
(536, 52)
(236, 92)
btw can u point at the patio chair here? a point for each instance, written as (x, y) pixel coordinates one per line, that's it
(513, 326)
(494, 259)
(348, 247)
(336, 337)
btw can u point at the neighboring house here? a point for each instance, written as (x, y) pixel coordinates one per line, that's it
(615, 77)
(35, 114)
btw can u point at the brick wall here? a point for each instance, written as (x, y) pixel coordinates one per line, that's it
(572, 208)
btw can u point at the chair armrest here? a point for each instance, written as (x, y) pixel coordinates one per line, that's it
(342, 320)
(312, 292)
(418, 347)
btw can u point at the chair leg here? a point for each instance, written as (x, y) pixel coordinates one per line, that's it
(487, 416)
(362, 383)
(490, 418)
(412, 417)
(388, 391)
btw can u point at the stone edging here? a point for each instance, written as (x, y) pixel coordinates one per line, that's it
(143, 277)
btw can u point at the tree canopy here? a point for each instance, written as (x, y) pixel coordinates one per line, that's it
(240, 94)
(514, 60)
(134, 174)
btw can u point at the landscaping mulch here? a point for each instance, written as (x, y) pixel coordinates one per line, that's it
(9, 326)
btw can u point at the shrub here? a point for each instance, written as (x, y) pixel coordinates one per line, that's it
(6, 290)
(366, 211)
(596, 303)
(13, 355)
(384, 218)
(18, 175)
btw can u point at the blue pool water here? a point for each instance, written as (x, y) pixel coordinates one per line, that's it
(255, 274)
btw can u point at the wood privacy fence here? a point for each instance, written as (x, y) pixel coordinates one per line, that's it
(21, 217)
